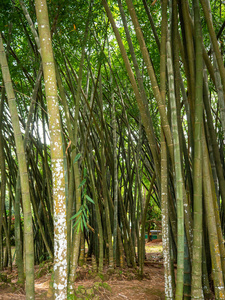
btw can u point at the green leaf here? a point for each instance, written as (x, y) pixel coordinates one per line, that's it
(78, 227)
(85, 225)
(84, 214)
(87, 209)
(84, 218)
(82, 183)
(89, 199)
(82, 226)
(78, 221)
(76, 214)
(84, 192)
(76, 158)
(85, 172)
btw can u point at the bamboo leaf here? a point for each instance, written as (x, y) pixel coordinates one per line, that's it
(84, 222)
(84, 214)
(78, 227)
(76, 158)
(77, 221)
(89, 199)
(78, 213)
(74, 216)
(84, 193)
(82, 183)
(85, 172)
(85, 225)
(81, 225)
(87, 209)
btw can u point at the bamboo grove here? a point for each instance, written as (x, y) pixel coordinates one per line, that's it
(105, 107)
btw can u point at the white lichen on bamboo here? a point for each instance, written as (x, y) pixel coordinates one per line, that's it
(60, 232)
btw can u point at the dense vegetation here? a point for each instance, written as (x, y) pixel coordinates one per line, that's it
(109, 109)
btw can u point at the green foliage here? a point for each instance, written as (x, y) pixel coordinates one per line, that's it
(82, 215)
(77, 158)
(102, 56)
(45, 267)
(71, 297)
(91, 292)
(153, 216)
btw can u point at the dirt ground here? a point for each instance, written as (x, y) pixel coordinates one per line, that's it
(122, 284)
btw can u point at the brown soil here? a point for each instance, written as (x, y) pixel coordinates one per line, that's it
(156, 241)
(122, 284)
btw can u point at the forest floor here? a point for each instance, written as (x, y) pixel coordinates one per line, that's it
(122, 284)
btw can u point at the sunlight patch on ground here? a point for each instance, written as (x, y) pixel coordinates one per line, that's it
(152, 248)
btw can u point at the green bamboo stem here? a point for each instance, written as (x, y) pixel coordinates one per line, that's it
(138, 97)
(190, 51)
(40, 225)
(214, 42)
(212, 228)
(149, 130)
(152, 76)
(215, 148)
(143, 221)
(59, 198)
(28, 233)
(115, 188)
(98, 216)
(126, 230)
(107, 212)
(196, 288)
(31, 24)
(169, 293)
(219, 229)
(3, 180)
(148, 12)
(18, 238)
(218, 82)
(8, 252)
(178, 178)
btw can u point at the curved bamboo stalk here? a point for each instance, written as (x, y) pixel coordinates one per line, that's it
(214, 42)
(151, 73)
(211, 222)
(28, 232)
(140, 102)
(151, 135)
